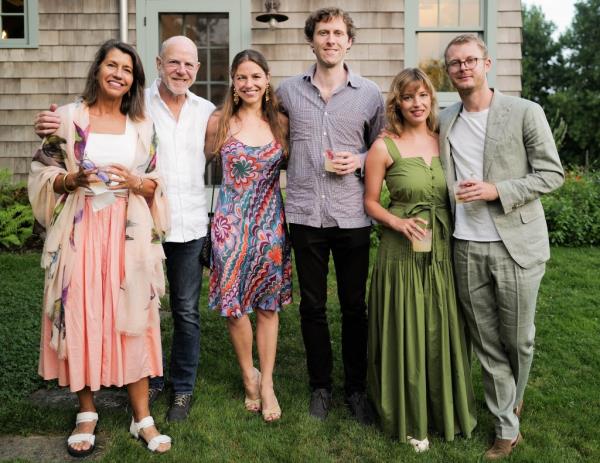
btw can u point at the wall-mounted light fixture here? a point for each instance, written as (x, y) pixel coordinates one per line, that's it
(272, 16)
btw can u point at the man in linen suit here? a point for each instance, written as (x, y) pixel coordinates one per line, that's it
(501, 151)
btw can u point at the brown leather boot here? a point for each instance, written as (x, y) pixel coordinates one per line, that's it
(502, 448)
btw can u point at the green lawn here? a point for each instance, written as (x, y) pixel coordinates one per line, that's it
(562, 402)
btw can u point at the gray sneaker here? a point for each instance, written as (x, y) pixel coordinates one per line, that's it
(180, 407)
(320, 403)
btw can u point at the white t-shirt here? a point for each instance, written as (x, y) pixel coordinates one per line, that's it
(472, 221)
(181, 161)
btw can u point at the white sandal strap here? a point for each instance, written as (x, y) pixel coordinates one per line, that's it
(144, 423)
(418, 445)
(157, 440)
(81, 437)
(86, 417)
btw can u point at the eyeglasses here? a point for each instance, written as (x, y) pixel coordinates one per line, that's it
(456, 64)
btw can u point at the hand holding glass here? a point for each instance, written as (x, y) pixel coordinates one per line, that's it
(423, 244)
(329, 156)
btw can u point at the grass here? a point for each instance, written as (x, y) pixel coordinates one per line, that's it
(560, 419)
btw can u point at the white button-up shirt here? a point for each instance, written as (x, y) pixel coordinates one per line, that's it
(181, 161)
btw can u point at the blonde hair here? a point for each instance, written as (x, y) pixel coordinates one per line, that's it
(405, 79)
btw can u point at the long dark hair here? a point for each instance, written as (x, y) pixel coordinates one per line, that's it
(132, 103)
(270, 109)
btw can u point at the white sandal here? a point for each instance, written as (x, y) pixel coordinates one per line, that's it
(418, 445)
(83, 417)
(154, 443)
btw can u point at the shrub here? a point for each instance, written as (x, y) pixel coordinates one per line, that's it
(16, 216)
(573, 211)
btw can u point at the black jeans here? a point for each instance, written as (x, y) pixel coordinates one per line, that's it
(350, 249)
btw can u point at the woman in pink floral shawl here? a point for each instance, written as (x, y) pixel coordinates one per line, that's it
(93, 185)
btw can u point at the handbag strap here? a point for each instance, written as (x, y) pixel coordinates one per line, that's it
(212, 199)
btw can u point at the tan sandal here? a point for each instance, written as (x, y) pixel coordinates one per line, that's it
(254, 405)
(273, 413)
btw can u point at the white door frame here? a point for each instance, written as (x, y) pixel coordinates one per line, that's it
(240, 35)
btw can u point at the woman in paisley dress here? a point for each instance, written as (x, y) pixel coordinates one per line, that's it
(418, 370)
(251, 268)
(93, 185)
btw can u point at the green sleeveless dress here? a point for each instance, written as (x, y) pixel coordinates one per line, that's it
(419, 376)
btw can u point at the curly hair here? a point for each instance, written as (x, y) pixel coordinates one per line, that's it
(326, 15)
(407, 80)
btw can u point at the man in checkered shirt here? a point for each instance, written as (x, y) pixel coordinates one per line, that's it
(334, 112)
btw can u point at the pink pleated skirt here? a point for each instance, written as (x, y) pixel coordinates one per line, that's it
(96, 354)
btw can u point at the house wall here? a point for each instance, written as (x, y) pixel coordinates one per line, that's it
(31, 79)
(71, 30)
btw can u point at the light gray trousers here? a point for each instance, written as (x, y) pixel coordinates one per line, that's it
(498, 299)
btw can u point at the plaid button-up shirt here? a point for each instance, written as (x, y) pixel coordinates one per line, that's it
(350, 121)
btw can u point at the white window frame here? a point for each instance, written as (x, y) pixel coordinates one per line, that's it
(488, 11)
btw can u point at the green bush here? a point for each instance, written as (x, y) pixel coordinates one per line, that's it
(573, 211)
(16, 216)
(16, 226)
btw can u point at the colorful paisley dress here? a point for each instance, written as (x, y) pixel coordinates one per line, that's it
(251, 251)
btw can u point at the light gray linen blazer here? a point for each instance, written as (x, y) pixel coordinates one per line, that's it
(521, 159)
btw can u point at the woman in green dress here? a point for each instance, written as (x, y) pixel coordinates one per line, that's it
(418, 372)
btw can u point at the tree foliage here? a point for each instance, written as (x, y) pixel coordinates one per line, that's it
(564, 76)
(540, 55)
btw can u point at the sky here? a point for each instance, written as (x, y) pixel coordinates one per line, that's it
(560, 12)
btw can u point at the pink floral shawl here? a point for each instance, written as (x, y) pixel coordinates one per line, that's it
(146, 227)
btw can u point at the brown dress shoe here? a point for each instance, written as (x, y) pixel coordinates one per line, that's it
(518, 409)
(502, 448)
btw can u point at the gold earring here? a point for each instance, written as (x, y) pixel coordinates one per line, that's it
(267, 96)
(236, 97)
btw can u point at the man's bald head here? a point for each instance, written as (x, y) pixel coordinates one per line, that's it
(180, 42)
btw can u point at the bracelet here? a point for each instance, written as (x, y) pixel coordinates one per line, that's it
(140, 185)
(64, 184)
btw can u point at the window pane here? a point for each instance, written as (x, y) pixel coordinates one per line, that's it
(448, 13)
(218, 29)
(430, 52)
(170, 25)
(13, 27)
(218, 92)
(199, 89)
(219, 64)
(194, 27)
(428, 13)
(13, 6)
(202, 73)
(469, 13)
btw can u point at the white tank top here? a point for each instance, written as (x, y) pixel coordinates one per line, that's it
(108, 148)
